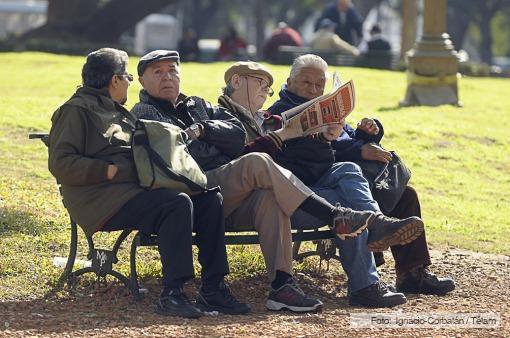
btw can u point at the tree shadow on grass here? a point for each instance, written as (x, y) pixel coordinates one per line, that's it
(17, 221)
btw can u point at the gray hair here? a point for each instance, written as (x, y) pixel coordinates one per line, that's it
(101, 65)
(228, 90)
(308, 60)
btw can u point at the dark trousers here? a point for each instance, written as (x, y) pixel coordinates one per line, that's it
(416, 253)
(172, 216)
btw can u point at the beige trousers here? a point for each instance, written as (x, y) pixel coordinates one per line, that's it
(258, 193)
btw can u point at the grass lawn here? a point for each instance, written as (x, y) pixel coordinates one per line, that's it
(459, 158)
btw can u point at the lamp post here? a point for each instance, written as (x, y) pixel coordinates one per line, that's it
(432, 63)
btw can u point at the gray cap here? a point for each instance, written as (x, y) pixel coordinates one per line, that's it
(155, 56)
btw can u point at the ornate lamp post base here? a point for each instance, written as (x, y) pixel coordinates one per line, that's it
(432, 64)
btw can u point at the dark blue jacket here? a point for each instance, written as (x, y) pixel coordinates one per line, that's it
(345, 30)
(348, 146)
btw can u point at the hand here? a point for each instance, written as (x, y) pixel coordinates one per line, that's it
(333, 132)
(373, 152)
(111, 171)
(369, 126)
(292, 129)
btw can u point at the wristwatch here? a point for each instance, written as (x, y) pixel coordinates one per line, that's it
(196, 129)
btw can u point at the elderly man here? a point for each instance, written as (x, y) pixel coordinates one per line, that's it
(90, 155)
(257, 193)
(339, 183)
(307, 81)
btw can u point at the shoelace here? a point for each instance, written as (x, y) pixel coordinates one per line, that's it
(295, 285)
(342, 213)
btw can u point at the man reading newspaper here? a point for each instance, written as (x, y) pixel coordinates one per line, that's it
(327, 110)
(306, 84)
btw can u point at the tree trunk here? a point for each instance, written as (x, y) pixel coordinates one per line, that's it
(260, 25)
(486, 37)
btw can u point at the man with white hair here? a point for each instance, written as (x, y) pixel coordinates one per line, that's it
(307, 81)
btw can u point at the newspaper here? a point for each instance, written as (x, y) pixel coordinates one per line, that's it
(317, 114)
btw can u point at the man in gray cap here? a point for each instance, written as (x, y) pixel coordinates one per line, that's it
(257, 192)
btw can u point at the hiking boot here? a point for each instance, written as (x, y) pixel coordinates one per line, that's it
(221, 300)
(421, 280)
(290, 296)
(176, 303)
(351, 223)
(384, 231)
(377, 295)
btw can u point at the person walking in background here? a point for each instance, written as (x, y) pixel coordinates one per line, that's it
(326, 38)
(349, 22)
(283, 35)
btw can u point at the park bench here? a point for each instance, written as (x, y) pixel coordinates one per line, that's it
(371, 59)
(103, 260)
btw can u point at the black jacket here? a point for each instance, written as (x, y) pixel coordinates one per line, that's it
(224, 135)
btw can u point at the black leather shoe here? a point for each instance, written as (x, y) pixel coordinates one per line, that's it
(421, 280)
(376, 295)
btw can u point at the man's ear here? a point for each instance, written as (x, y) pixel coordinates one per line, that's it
(140, 79)
(114, 82)
(235, 81)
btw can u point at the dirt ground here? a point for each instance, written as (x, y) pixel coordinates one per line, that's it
(482, 287)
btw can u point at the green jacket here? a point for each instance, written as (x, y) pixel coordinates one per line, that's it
(89, 132)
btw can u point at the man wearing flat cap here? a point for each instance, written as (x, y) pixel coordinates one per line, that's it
(257, 192)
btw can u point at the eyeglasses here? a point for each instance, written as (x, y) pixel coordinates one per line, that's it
(129, 77)
(264, 85)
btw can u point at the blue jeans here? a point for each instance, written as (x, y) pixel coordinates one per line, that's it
(343, 183)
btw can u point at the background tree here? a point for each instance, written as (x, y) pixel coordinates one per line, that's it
(93, 20)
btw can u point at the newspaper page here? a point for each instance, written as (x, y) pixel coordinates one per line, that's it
(315, 115)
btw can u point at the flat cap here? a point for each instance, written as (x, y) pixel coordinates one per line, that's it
(154, 56)
(248, 68)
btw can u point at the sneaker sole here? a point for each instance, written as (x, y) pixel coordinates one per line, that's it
(277, 306)
(356, 232)
(404, 235)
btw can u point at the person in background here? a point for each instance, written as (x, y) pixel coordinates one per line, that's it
(377, 42)
(283, 35)
(232, 47)
(326, 38)
(349, 22)
(188, 46)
